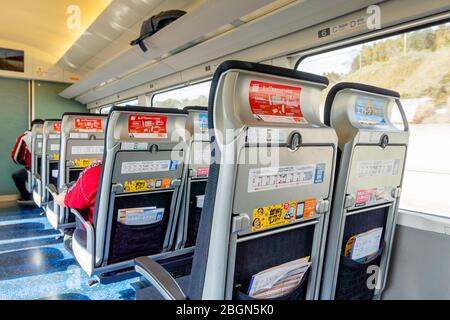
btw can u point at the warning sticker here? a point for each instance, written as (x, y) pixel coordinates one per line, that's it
(88, 124)
(57, 127)
(203, 172)
(140, 216)
(148, 185)
(83, 163)
(149, 166)
(369, 196)
(55, 157)
(378, 168)
(263, 179)
(147, 126)
(280, 214)
(273, 102)
(87, 149)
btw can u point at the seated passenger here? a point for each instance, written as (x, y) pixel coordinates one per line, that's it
(82, 194)
(21, 154)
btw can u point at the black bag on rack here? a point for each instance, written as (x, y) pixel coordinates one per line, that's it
(154, 24)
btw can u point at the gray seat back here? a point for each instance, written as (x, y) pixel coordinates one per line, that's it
(82, 142)
(372, 153)
(36, 160)
(50, 154)
(141, 184)
(197, 167)
(270, 181)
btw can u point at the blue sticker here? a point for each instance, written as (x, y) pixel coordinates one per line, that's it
(370, 111)
(320, 173)
(173, 165)
(203, 121)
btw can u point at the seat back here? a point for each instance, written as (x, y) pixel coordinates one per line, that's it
(197, 168)
(141, 184)
(50, 156)
(36, 159)
(372, 153)
(82, 142)
(270, 181)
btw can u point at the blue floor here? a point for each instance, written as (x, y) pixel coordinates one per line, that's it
(34, 265)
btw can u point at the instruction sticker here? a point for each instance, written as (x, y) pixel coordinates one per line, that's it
(57, 127)
(149, 166)
(83, 163)
(272, 178)
(88, 124)
(147, 126)
(55, 173)
(39, 145)
(378, 168)
(274, 102)
(134, 146)
(266, 135)
(77, 135)
(369, 196)
(87, 149)
(370, 111)
(148, 185)
(203, 172)
(54, 147)
(140, 216)
(54, 136)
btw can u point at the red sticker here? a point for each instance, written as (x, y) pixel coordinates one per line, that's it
(88, 124)
(363, 196)
(57, 127)
(147, 126)
(275, 102)
(203, 172)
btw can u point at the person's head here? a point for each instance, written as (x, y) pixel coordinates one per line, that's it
(36, 121)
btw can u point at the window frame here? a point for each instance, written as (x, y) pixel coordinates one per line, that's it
(415, 25)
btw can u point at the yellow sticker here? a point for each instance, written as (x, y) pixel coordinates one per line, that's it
(273, 216)
(55, 157)
(281, 214)
(83, 163)
(147, 185)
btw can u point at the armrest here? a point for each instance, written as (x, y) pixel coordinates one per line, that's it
(37, 176)
(52, 189)
(159, 278)
(89, 229)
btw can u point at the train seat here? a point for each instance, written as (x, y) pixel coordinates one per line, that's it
(139, 194)
(372, 153)
(36, 159)
(82, 142)
(269, 187)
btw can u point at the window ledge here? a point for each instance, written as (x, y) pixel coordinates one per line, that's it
(424, 221)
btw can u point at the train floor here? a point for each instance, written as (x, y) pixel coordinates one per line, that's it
(35, 265)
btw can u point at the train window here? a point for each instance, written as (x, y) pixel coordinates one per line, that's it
(416, 65)
(193, 95)
(129, 102)
(105, 110)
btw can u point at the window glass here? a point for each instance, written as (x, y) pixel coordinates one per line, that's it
(194, 95)
(105, 110)
(129, 102)
(416, 64)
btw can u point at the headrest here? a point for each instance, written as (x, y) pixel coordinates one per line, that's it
(52, 126)
(254, 94)
(83, 124)
(364, 105)
(144, 124)
(197, 123)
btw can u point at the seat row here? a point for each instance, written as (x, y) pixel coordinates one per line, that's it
(255, 181)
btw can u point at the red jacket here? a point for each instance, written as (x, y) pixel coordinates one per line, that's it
(82, 195)
(21, 153)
